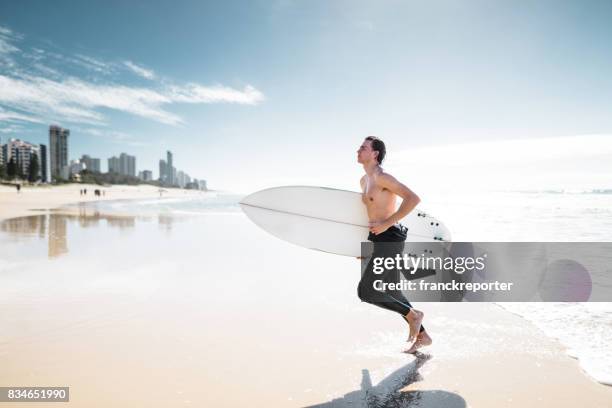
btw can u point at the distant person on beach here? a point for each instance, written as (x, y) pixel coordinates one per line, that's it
(18, 187)
(379, 193)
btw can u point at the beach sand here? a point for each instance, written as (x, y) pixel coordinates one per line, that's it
(211, 311)
(34, 199)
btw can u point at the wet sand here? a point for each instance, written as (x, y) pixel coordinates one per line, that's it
(210, 311)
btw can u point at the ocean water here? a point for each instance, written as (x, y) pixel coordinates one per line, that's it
(211, 203)
(585, 329)
(540, 216)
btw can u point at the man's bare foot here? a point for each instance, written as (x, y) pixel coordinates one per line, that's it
(422, 340)
(414, 319)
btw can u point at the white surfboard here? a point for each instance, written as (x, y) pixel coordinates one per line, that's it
(328, 219)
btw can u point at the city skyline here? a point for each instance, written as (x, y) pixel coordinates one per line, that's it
(94, 162)
(59, 165)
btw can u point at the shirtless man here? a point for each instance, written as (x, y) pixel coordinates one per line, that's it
(380, 191)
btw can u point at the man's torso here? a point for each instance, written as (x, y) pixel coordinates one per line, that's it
(379, 201)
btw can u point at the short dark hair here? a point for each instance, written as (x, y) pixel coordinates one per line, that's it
(378, 146)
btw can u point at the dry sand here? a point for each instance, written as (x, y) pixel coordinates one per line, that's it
(31, 200)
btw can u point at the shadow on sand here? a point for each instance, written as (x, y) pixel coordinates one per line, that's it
(387, 393)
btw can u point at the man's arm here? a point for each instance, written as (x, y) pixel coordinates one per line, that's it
(409, 201)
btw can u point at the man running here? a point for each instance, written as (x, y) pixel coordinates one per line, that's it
(380, 190)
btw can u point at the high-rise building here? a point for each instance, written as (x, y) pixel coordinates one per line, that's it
(170, 169)
(113, 165)
(58, 147)
(183, 179)
(163, 172)
(199, 184)
(92, 164)
(124, 164)
(127, 165)
(4, 153)
(21, 154)
(44, 164)
(131, 166)
(145, 175)
(169, 157)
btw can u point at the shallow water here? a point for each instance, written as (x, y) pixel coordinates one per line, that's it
(584, 328)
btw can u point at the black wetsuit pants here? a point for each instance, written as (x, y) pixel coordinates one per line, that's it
(393, 239)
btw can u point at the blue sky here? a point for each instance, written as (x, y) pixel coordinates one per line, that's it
(256, 93)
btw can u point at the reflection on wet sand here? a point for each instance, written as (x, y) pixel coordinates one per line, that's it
(54, 226)
(58, 240)
(32, 225)
(165, 222)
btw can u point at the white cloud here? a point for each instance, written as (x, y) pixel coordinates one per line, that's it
(43, 69)
(6, 47)
(76, 100)
(45, 98)
(9, 116)
(10, 128)
(138, 70)
(7, 32)
(113, 136)
(194, 93)
(7, 37)
(38, 87)
(92, 63)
